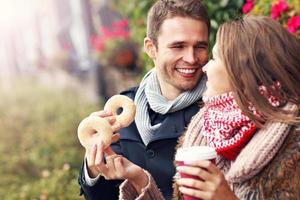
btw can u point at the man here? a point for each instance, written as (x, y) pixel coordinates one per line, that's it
(166, 99)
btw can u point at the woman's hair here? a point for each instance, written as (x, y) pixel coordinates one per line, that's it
(258, 51)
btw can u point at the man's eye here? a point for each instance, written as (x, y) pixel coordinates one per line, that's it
(201, 47)
(177, 47)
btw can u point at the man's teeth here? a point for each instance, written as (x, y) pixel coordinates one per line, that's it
(186, 71)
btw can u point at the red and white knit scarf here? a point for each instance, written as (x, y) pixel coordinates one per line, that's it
(225, 127)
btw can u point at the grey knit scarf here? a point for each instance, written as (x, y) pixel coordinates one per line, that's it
(149, 93)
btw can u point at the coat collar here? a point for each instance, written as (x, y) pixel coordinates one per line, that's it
(172, 127)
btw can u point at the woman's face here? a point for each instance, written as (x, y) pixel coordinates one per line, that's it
(217, 76)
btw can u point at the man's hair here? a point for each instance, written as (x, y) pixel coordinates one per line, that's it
(164, 9)
(258, 51)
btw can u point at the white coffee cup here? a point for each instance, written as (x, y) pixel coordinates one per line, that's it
(194, 153)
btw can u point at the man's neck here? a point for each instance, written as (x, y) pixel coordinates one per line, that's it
(169, 91)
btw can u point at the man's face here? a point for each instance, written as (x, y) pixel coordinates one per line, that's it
(181, 52)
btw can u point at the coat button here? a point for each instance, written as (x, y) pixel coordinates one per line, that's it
(150, 153)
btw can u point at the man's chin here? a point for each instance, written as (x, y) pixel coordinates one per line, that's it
(188, 87)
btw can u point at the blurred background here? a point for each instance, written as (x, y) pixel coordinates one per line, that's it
(61, 60)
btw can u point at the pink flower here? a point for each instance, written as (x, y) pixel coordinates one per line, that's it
(119, 30)
(119, 33)
(278, 8)
(247, 6)
(121, 23)
(293, 24)
(97, 42)
(105, 33)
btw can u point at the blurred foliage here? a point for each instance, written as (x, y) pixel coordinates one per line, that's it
(281, 10)
(110, 41)
(220, 11)
(136, 10)
(39, 150)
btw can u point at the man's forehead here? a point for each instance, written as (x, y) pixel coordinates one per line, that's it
(182, 26)
(179, 20)
(176, 30)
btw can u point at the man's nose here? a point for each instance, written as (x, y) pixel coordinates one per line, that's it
(190, 56)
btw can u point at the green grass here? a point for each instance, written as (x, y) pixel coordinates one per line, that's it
(39, 151)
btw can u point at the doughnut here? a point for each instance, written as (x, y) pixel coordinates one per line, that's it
(124, 102)
(93, 129)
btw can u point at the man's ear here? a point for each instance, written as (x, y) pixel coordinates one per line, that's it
(150, 48)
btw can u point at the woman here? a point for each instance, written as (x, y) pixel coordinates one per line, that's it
(250, 117)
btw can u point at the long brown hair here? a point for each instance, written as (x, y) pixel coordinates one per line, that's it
(259, 51)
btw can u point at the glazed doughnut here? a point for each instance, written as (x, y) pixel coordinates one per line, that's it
(128, 109)
(93, 129)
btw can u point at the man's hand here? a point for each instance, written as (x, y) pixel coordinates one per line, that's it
(110, 165)
(116, 167)
(95, 155)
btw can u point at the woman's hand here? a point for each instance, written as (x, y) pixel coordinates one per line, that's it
(211, 186)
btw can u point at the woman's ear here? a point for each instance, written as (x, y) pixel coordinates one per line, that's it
(150, 48)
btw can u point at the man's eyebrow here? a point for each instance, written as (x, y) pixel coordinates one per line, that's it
(176, 43)
(203, 43)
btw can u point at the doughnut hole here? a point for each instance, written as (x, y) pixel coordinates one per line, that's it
(92, 130)
(127, 107)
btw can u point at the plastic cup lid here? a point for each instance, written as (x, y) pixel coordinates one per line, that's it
(195, 153)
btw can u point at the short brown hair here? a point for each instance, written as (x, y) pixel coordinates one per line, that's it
(257, 50)
(164, 9)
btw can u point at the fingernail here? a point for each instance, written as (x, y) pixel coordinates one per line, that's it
(177, 176)
(188, 162)
(94, 147)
